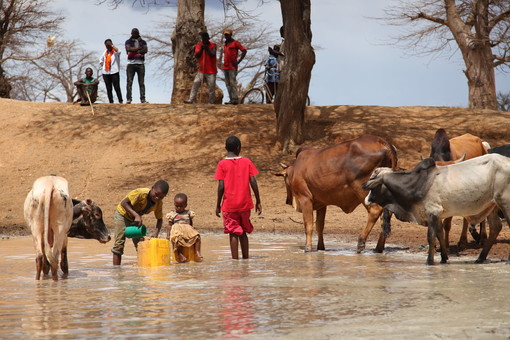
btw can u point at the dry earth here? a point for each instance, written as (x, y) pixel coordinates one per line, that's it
(123, 147)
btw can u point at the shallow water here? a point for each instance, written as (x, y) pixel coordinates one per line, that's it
(280, 293)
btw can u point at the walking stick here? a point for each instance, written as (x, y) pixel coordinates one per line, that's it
(90, 102)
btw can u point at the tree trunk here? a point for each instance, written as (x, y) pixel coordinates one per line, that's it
(481, 79)
(5, 87)
(295, 77)
(189, 24)
(477, 53)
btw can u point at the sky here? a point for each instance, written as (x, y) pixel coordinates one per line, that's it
(355, 63)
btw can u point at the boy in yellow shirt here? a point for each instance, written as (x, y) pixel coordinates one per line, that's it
(138, 202)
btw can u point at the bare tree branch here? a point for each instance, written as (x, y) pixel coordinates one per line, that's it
(23, 26)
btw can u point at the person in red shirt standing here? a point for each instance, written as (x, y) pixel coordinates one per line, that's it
(205, 52)
(230, 63)
(235, 176)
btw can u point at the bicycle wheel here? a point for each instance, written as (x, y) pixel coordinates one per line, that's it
(253, 96)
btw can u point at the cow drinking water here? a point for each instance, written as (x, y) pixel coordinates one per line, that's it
(88, 222)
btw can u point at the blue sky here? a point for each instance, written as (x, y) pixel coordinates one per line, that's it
(355, 64)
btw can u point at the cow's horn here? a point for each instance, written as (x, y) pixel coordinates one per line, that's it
(283, 165)
(462, 159)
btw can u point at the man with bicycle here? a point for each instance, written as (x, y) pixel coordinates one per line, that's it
(272, 76)
(230, 53)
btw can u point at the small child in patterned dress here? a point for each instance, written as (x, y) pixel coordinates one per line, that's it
(180, 229)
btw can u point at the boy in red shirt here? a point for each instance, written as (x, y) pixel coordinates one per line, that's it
(235, 175)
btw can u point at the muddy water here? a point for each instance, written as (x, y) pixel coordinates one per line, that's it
(279, 293)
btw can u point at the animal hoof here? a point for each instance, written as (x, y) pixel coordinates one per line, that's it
(462, 245)
(308, 249)
(361, 246)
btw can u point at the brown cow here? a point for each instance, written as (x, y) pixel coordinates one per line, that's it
(445, 152)
(334, 176)
(48, 212)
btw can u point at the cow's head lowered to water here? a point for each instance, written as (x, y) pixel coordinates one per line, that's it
(88, 222)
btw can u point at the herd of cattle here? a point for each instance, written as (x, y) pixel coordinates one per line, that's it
(462, 177)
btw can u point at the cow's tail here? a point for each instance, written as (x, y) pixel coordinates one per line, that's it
(391, 154)
(48, 231)
(386, 222)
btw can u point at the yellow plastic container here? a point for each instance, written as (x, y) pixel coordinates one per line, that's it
(154, 252)
(186, 251)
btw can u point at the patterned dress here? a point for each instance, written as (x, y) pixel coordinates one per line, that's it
(182, 234)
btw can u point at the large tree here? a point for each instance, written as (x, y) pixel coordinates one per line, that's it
(479, 28)
(295, 77)
(190, 22)
(299, 61)
(24, 25)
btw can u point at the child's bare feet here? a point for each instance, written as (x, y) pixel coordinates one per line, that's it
(182, 258)
(198, 257)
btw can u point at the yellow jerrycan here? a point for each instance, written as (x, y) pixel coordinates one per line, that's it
(154, 252)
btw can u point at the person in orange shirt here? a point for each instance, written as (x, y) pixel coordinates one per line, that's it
(230, 53)
(205, 52)
(110, 62)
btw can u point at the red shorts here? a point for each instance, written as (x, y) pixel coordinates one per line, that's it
(237, 222)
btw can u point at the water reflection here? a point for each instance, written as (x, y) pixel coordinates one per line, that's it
(236, 310)
(280, 292)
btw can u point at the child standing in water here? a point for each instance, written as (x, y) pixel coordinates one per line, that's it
(235, 175)
(180, 228)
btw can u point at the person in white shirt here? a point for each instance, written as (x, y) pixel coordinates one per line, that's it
(110, 61)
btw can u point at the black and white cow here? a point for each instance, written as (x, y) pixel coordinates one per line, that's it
(428, 194)
(88, 222)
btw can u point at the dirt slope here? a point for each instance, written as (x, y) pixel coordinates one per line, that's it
(123, 147)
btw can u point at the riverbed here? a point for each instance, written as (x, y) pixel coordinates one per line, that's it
(279, 293)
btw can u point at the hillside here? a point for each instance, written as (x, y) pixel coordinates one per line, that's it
(123, 147)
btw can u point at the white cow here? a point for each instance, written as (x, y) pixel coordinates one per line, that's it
(49, 214)
(428, 193)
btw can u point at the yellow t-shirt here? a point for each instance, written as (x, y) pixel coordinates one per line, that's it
(141, 203)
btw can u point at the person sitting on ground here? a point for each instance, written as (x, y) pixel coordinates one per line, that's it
(180, 229)
(87, 88)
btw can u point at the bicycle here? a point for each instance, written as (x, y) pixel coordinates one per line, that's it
(256, 96)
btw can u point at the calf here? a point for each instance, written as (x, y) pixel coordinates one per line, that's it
(428, 193)
(88, 222)
(48, 211)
